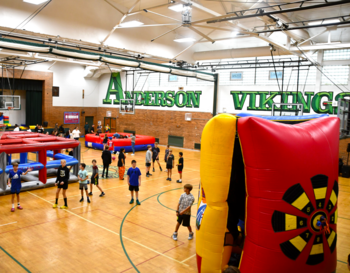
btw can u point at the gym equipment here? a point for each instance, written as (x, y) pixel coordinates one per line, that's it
(278, 178)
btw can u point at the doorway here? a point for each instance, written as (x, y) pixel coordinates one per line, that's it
(90, 121)
(112, 122)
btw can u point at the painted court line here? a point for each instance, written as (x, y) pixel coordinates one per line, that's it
(8, 224)
(111, 231)
(81, 207)
(189, 258)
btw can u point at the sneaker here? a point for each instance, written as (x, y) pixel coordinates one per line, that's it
(81, 200)
(150, 174)
(161, 169)
(102, 194)
(138, 202)
(63, 207)
(88, 200)
(131, 201)
(107, 176)
(190, 236)
(147, 175)
(12, 209)
(90, 193)
(19, 207)
(178, 181)
(54, 206)
(154, 170)
(169, 179)
(174, 236)
(132, 154)
(88, 182)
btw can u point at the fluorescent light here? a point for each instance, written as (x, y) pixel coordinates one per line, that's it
(324, 22)
(133, 23)
(234, 34)
(177, 8)
(35, 2)
(184, 40)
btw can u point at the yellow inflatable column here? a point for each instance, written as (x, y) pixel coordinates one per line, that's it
(215, 171)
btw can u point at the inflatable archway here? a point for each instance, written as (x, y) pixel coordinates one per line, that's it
(278, 178)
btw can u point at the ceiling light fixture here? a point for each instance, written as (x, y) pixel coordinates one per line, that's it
(133, 23)
(234, 34)
(35, 2)
(323, 22)
(177, 8)
(184, 40)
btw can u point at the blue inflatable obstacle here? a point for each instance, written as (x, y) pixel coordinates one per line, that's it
(142, 147)
(54, 164)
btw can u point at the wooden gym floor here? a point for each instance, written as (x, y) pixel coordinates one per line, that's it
(109, 234)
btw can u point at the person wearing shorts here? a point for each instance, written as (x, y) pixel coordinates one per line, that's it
(83, 182)
(148, 160)
(183, 211)
(155, 156)
(180, 166)
(170, 164)
(62, 183)
(134, 181)
(94, 178)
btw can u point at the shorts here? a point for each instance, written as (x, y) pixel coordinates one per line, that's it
(94, 181)
(133, 188)
(154, 159)
(64, 186)
(179, 170)
(15, 190)
(148, 164)
(83, 186)
(169, 167)
(184, 219)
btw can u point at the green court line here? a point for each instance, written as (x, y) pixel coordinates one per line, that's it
(343, 218)
(8, 254)
(342, 262)
(168, 207)
(122, 223)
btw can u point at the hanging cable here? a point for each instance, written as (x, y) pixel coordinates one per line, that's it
(274, 67)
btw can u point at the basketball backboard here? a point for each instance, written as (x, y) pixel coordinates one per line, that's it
(7, 101)
(127, 106)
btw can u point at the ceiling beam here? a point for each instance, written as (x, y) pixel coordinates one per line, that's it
(201, 34)
(166, 33)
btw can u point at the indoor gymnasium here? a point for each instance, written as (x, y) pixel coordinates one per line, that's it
(173, 136)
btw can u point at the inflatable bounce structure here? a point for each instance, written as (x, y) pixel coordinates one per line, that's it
(44, 146)
(115, 144)
(279, 177)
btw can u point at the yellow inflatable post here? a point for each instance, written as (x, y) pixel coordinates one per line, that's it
(217, 147)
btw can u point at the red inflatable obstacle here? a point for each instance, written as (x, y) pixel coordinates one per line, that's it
(24, 142)
(115, 144)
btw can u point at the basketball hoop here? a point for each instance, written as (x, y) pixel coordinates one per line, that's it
(9, 108)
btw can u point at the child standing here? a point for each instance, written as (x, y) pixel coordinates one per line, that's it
(134, 181)
(148, 160)
(16, 185)
(83, 176)
(62, 183)
(180, 166)
(155, 155)
(170, 164)
(183, 211)
(94, 178)
(166, 155)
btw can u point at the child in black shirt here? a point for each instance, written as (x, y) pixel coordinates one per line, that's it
(62, 183)
(180, 167)
(170, 163)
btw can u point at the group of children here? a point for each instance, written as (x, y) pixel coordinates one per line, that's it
(152, 155)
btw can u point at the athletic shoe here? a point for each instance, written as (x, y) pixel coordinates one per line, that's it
(102, 194)
(90, 193)
(178, 181)
(190, 236)
(19, 207)
(169, 179)
(138, 202)
(154, 170)
(132, 154)
(150, 174)
(88, 182)
(131, 201)
(63, 207)
(54, 206)
(81, 200)
(147, 175)
(107, 176)
(174, 236)
(161, 169)
(12, 209)
(88, 199)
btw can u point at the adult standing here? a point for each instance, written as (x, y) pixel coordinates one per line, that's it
(86, 127)
(107, 159)
(56, 127)
(133, 139)
(76, 133)
(99, 128)
(121, 163)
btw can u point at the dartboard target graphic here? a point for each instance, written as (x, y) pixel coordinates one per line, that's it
(310, 231)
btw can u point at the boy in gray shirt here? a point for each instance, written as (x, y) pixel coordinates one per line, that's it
(133, 138)
(148, 160)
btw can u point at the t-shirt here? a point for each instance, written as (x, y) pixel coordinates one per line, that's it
(133, 138)
(83, 174)
(92, 129)
(181, 161)
(16, 178)
(16, 129)
(116, 135)
(171, 158)
(134, 176)
(121, 159)
(76, 133)
(62, 174)
(156, 152)
(99, 129)
(186, 200)
(40, 131)
(94, 172)
(148, 156)
(86, 126)
(166, 154)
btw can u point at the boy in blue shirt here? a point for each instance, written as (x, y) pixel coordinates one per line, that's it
(16, 185)
(83, 176)
(134, 181)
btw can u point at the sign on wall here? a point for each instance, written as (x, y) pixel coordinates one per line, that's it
(71, 117)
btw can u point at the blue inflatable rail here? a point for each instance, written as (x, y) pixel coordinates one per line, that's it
(306, 117)
(24, 167)
(142, 147)
(70, 160)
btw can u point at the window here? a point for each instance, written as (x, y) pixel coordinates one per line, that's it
(337, 73)
(236, 76)
(338, 54)
(172, 78)
(272, 75)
